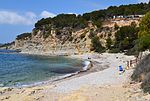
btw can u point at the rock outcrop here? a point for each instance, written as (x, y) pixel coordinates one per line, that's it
(63, 41)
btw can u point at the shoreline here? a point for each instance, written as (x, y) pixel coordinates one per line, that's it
(82, 72)
(83, 57)
(57, 79)
(85, 68)
(102, 79)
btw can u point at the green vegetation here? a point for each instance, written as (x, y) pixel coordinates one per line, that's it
(145, 26)
(116, 27)
(92, 33)
(109, 43)
(96, 45)
(143, 42)
(23, 36)
(142, 74)
(46, 34)
(43, 22)
(125, 39)
(6, 45)
(131, 9)
(63, 20)
(142, 71)
(82, 35)
(96, 17)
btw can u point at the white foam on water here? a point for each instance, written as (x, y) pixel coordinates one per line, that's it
(86, 63)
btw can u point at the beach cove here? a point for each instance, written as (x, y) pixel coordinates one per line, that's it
(19, 70)
(103, 82)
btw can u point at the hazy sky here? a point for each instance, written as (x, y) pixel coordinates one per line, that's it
(18, 16)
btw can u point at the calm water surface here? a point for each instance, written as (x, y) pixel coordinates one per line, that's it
(19, 69)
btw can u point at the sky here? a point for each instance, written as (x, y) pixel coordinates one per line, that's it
(19, 16)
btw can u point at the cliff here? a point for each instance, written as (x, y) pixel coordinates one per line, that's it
(74, 34)
(64, 41)
(60, 42)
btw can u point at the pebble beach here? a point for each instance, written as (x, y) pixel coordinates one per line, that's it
(102, 82)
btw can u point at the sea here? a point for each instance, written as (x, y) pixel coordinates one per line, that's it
(17, 70)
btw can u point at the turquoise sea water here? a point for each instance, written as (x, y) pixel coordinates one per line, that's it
(19, 69)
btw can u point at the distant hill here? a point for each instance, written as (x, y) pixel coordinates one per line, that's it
(78, 22)
(82, 33)
(81, 21)
(7, 45)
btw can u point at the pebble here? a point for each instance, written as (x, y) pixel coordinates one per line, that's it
(8, 89)
(33, 92)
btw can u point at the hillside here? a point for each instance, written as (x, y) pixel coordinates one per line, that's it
(73, 34)
(7, 45)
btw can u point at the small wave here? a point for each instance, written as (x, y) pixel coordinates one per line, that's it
(86, 67)
(2, 85)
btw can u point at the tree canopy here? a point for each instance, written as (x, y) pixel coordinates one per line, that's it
(96, 45)
(80, 21)
(125, 37)
(23, 36)
(144, 33)
(145, 25)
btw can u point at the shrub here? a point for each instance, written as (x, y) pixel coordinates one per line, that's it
(142, 71)
(143, 68)
(96, 45)
(145, 25)
(116, 26)
(71, 38)
(7, 45)
(125, 38)
(92, 34)
(133, 51)
(142, 74)
(109, 43)
(146, 83)
(115, 50)
(23, 36)
(144, 43)
(46, 34)
(83, 35)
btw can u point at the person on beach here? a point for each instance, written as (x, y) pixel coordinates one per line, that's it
(91, 64)
(121, 70)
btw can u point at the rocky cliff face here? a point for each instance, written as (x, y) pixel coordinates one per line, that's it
(63, 41)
